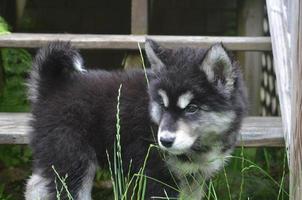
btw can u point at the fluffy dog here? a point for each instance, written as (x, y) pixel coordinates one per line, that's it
(194, 101)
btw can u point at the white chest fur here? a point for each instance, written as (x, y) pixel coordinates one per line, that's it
(194, 174)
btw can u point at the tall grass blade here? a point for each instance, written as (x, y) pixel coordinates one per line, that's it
(266, 157)
(227, 182)
(112, 177)
(143, 62)
(62, 180)
(142, 178)
(117, 175)
(282, 178)
(242, 171)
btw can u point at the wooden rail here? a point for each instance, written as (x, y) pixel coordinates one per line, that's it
(14, 128)
(89, 41)
(256, 131)
(261, 132)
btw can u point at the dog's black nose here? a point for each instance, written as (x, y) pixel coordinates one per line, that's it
(167, 141)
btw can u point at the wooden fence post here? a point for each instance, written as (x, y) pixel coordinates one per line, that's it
(139, 26)
(295, 25)
(286, 27)
(280, 44)
(139, 17)
(250, 24)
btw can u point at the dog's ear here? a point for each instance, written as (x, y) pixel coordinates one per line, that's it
(218, 67)
(153, 50)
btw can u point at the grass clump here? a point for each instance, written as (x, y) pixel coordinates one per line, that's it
(125, 187)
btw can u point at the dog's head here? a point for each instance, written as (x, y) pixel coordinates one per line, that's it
(192, 95)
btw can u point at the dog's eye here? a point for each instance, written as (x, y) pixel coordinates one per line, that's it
(161, 103)
(191, 108)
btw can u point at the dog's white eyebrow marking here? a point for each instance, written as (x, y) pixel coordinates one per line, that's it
(78, 64)
(184, 99)
(164, 97)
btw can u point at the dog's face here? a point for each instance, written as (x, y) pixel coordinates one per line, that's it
(190, 96)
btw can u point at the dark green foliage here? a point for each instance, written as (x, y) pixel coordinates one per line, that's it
(14, 160)
(3, 196)
(4, 28)
(16, 64)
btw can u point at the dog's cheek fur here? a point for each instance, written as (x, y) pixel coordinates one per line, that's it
(155, 112)
(215, 122)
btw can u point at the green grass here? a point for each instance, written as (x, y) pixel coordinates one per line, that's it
(121, 183)
(3, 196)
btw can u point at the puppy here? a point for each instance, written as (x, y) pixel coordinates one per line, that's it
(190, 104)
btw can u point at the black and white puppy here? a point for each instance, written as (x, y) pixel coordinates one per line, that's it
(194, 102)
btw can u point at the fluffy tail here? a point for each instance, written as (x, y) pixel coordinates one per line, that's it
(53, 63)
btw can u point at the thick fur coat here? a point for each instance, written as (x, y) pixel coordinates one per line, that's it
(191, 107)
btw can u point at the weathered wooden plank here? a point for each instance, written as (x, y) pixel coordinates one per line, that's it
(139, 26)
(14, 128)
(256, 131)
(251, 24)
(261, 131)
(295, 24)
(280, 42)
(139, 16)
(88, 41)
